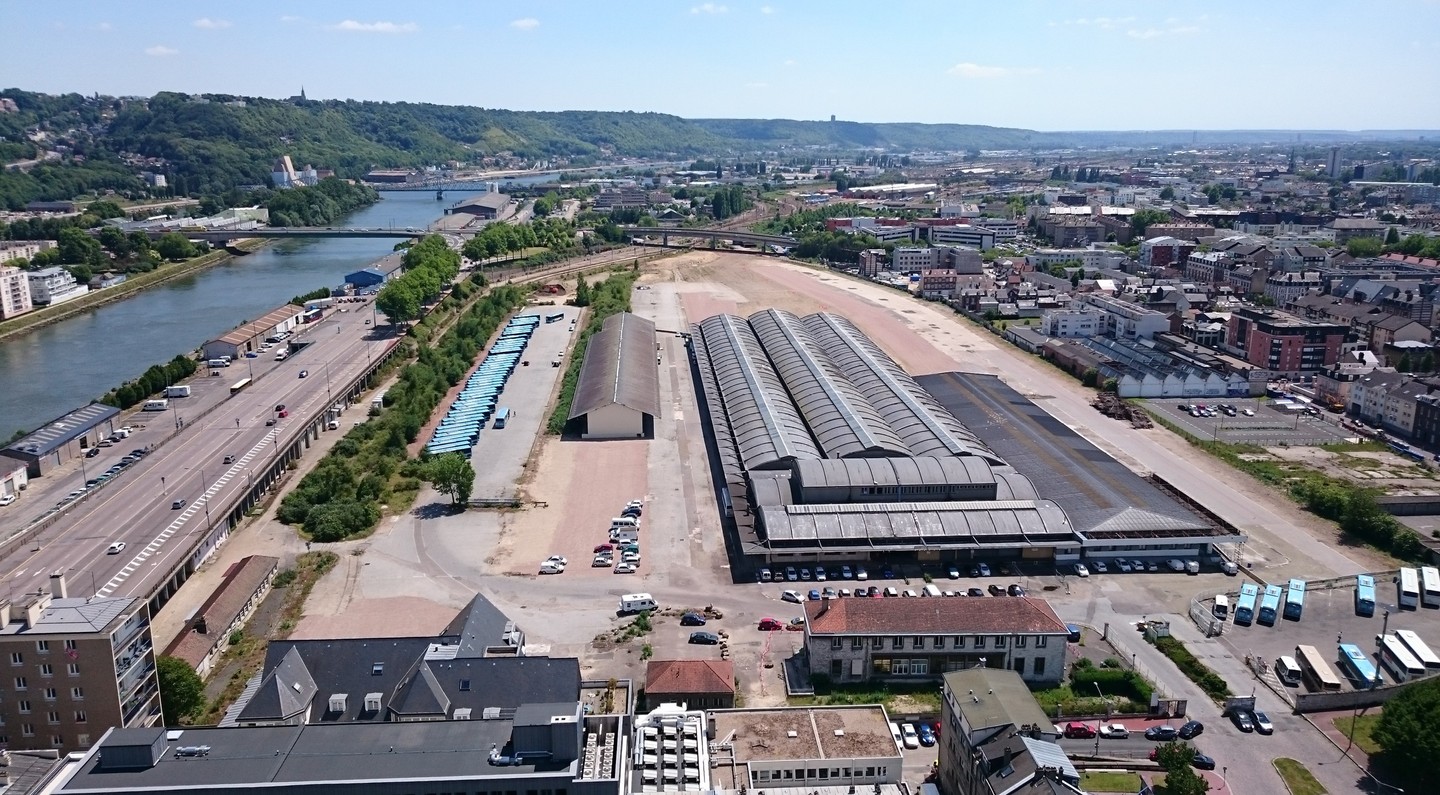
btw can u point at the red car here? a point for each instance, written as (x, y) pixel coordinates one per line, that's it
(282, 415)
(1079, 731)
(771, 625)
(604, 548)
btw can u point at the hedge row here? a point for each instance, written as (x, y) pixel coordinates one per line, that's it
(1190, 665)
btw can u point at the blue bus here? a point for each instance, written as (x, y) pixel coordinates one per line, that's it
(1294, 599)
(1355, 661)
(1364, 595)
(502, 416)
(1270, 604)
(1245, 606)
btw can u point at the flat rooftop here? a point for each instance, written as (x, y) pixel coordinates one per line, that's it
(319, 752)
(59, 431)
(797, 733)
(1099, 494)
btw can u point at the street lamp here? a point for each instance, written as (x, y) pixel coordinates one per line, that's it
(205, 498)
(1097, 720)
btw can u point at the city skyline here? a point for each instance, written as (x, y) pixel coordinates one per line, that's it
(1045, 66)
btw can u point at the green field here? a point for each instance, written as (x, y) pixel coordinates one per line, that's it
(1297, 778)
(1110, 781)
(1363, 726)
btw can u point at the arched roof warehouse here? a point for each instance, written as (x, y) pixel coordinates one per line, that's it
(843, 422)
(765, 423)
(924, 425)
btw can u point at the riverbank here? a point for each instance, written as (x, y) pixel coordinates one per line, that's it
(39, 318)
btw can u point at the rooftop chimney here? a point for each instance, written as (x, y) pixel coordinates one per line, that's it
(35, 609)
(4, 615)
(57, 585)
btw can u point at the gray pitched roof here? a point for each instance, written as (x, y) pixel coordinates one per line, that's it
(618, 368)
(480, 625)
(285, 692)
(422, 694)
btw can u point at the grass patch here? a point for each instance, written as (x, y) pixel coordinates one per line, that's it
(918, 697)
(1356, 447)
(1297, 779)
(1109, 781)
(1190, 665)
(1363, 726)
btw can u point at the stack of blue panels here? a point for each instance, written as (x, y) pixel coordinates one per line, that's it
(460, 428)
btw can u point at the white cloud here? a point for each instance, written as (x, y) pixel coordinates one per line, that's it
(708, 8)
(352, 26)
(161, 50)
(767, 10)
(525, 23)
(206, 23)
(1155, 33)
(975, 71)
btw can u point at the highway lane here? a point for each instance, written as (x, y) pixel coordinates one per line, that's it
(137, 508)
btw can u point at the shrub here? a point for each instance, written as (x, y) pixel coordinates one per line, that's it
(1198, 672)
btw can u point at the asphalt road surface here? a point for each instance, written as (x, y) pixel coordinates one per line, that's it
(137, 509)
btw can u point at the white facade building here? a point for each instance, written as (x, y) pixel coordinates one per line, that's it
(964, 235)
(1072, 323)
(14, 292)
(54, 285)
(1124, 320)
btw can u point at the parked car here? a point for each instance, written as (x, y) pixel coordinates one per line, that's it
(1242, 720)
(770, 625)
(6, 499)
(813, 595)
(974, 592)
(625, 568)
(820, 574)
(1175, 564)
(790, 575)
(1123, 565)
(692, 620)
(1015, 590)
(1079, 731)
(92, 452)
(861, 574)
(1203, 762)
(705, 638)
(1114, 731)
(558, 560)
(797, 624)
(846, 573)
(1262, 723)
(764, 575)
(791, 596)
(1191, 730)
(829, 593)
(601, 562)
(805, 574)
(1161, 733)
(927, 734)
(996, 589)
(953, 572)
(603, 548)
(984, 570)
(1229, 568)
(911, 737)
(1081, 570)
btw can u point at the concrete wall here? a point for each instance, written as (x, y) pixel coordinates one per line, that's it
(615, 422)
(1351, 699)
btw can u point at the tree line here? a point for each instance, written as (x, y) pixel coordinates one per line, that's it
(152, 381)
(498, 239)
(430, 266)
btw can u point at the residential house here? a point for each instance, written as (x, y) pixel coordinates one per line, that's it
(1347, 229)
(1382, 330)
(54, 285)
(1302, 258)
(1398, 411)
(1284, 287)
(1248, 281)
(853, 640)
(1183, 231)
(1332, 385)
(937, 284)
(698, 684)
(1164, 251)
(996, 740)
(1368, 393)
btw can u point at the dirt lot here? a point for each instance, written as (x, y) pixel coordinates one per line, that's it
(1378, 468)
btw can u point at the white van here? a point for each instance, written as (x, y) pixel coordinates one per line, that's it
(930, 589)
(623, 534)
(637, 602)
(895, 732)
(1287, 671)
(621, 522)
(1222, 606)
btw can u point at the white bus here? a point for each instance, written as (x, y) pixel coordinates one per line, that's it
(1409, 585)
(1398, 659)
(1418, 648)
(1430, 586)
(1315, 670)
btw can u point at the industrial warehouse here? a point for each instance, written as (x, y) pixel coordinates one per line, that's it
(829, 451)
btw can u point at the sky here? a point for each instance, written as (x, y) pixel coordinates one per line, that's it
(1037, 64)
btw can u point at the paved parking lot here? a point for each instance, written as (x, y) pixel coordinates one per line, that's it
(1267, 428)
(1329, 618)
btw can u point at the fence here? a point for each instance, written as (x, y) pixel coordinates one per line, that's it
(1349, 699)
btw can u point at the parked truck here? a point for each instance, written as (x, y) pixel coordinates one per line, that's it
(177, 391)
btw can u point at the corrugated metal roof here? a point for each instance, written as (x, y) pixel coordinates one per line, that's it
(255, 328)
(619, 368)
(921, 422)
(764, 422)
(842, 420)
(59, 431)
(917, 524)
(919, 471)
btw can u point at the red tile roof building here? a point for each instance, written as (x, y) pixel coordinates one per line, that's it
(698, 684)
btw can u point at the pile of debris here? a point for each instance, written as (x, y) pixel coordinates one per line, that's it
(1110, 404)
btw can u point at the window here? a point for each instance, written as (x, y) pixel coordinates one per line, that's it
(900, 667)
(919, 667)
(24, 704)
(939, 641)
(897, 642)
(881, 667)
(1039, 666)
(1019, 665)
(917, 642)
(877, 643)
(999, 641)
(856, 644)
(464, 685)
(979, 641)
(870, 772)
(42, 646)
(79, 716)
(19, 683)
(56, 740)
(52, 716)
(49, 694)
(69, 645)
(73, 669)
(377, 669)
(1040, 641)
(27, 729)
(1019, 641)
(47, 670)
(837, 669)
(82, 740)
(16, 658)
(836, 644)
(959, 641)
(77, 693)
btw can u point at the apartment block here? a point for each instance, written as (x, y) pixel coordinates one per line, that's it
(996, 740)
(1283, 343)
(1124, 320)
(77, 667)
(53, 286)
(14, 292)
(1072, 323)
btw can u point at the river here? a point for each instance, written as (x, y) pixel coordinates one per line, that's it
(65, 365)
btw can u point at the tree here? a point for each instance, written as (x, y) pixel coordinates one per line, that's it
(582, 292)
(182, 694)
(1409, 731)
(1392, 236)
(1363, 247)
(174, 246)
(1167, 193)
(399, 301)
(1180, 776)
(452, 475)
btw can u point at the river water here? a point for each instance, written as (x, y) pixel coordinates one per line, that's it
(62, 366)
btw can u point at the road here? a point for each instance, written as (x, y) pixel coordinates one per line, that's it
(136, 508)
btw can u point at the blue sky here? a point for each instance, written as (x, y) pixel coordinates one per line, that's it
(1058, 65)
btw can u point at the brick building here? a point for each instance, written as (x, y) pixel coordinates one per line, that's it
(1283, 343)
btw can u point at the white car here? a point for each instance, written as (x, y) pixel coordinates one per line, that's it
(1114, 731)
(1175, 564)
(791, 596)
(6, 499)
(820, 574)
(558, 560)
(551, 567)
(1081, 571)
(910, 593)
(116, 548)
(846, 573)
(1100, 567)
(625, 568)
(1248, 412)
(630, 557)
(861, 574)
(912, 740)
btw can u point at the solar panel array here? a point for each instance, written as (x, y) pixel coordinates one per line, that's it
(460, 429)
